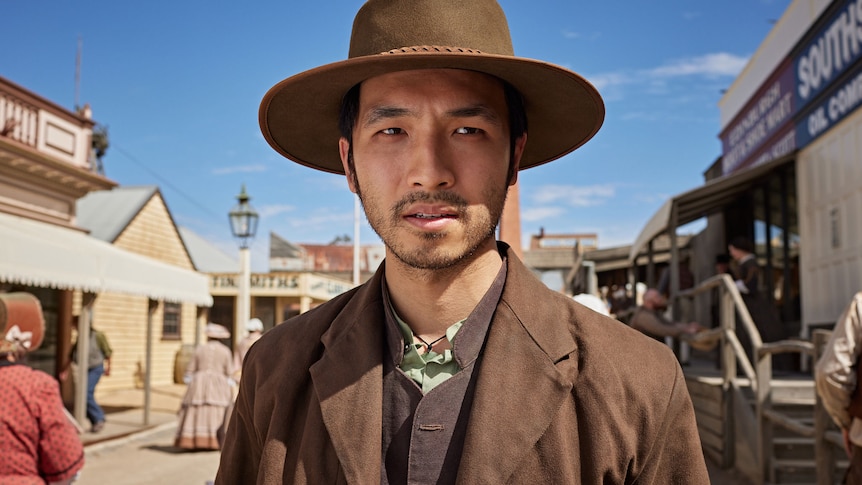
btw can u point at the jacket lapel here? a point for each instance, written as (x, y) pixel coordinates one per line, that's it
(348, 383)
(527, 372)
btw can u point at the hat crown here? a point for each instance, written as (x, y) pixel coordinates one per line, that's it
(21, 322)
(384, 25)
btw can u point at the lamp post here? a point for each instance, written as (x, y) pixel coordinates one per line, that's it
(243, 225)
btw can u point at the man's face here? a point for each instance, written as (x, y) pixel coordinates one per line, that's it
(430, 163)
(735, 253)
(655, 300)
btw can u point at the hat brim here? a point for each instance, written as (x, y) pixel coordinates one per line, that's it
(299, 115)
(216, 331)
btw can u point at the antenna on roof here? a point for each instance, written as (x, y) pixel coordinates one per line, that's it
(78, 74)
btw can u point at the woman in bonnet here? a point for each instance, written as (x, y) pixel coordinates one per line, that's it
(38, 443)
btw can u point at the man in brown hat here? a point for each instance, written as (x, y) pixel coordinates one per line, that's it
(453, 363)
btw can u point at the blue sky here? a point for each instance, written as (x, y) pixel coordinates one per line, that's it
(178, 85)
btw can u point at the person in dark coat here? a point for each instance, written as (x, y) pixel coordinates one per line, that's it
(747, 275)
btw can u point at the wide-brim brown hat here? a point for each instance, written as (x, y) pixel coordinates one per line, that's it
(299, 115)
(22, 324)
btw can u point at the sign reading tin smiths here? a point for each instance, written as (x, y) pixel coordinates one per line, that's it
(805, 95)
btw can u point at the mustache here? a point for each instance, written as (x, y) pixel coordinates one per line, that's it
(450, 198)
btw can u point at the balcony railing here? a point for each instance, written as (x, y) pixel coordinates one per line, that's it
(32, 121)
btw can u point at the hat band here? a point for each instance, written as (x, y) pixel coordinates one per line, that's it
(432, 48)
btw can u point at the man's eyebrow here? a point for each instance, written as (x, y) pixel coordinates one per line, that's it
(377, 114)
(479, 110)
(380, 113)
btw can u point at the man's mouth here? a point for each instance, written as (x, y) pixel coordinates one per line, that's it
(421, 215)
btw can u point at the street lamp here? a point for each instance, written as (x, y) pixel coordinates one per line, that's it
(243, 225)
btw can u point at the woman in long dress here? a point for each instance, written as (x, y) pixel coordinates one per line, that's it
(208, 397)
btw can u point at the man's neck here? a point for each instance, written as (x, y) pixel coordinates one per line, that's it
(430, 301)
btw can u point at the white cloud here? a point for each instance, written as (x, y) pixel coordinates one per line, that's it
(710, 65)
(568, 34)
(655, 81)
(274, 210)
(573, 195)
(535, 214)
(609, 79)
(239, 169)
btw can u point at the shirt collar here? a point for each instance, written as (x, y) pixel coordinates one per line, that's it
(470, 336)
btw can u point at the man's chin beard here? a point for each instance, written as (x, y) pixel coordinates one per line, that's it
(423, 260)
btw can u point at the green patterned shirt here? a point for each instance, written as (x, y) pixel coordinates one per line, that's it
(429, 369)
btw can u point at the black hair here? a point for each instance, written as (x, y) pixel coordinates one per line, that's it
(742, 243)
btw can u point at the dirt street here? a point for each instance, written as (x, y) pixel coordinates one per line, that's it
(149, 459)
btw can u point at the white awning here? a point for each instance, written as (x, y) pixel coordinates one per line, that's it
(702, 201)
(40, 254)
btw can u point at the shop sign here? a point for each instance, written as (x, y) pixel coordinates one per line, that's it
(830, 53)
(770, 111)
(802, 99)
(840, 100)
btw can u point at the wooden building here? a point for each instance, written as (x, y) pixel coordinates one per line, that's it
(48, 162)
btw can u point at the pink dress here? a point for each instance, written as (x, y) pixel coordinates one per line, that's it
(38, 443)
(208, 397)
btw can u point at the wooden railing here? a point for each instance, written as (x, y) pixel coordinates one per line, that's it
(19, 120)
(761, 377)
(730, 304)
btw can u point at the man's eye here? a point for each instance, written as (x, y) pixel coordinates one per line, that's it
(466, 130)
(392, 131)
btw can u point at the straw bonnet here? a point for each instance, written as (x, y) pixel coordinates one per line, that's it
(299, 115)
(22, 324)
(214, 330)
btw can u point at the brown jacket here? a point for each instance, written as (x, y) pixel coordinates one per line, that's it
(563, 395)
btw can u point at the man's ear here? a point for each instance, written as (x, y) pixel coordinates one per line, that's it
(520, 143)
(344, 153)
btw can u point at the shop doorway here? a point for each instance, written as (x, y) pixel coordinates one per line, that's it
(768, 215)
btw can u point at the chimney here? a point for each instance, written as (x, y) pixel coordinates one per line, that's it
(510, 222)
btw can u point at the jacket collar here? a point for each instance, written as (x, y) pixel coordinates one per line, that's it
(528, 363)
(527, 372)
(348, 380)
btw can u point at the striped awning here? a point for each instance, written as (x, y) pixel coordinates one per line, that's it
(40, 254)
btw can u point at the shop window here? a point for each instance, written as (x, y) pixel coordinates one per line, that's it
(172, 323)
(776, 236)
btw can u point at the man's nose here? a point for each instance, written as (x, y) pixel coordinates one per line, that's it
(431, 165)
